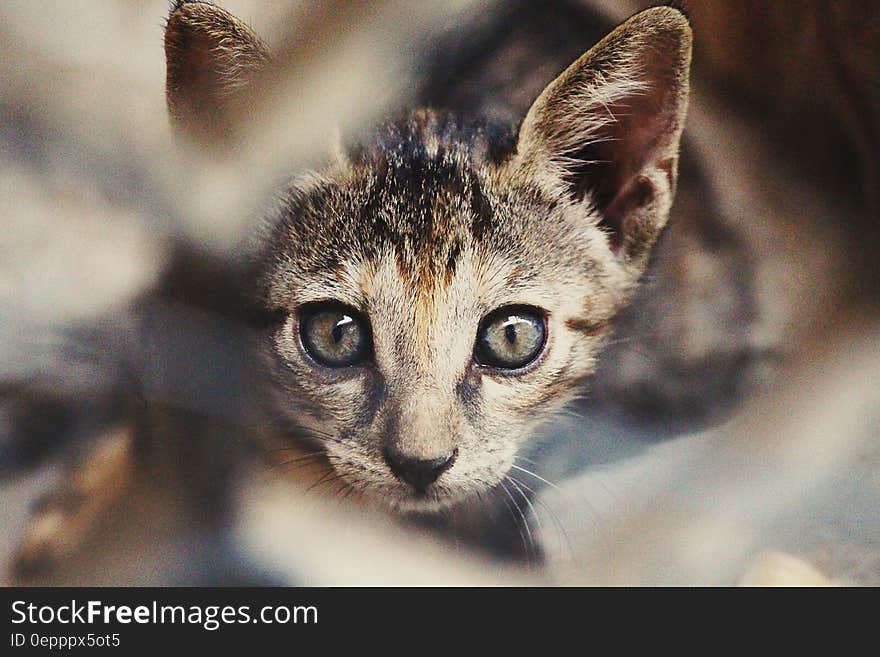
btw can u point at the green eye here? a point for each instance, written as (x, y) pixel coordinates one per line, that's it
(511, 337)
(334, 335)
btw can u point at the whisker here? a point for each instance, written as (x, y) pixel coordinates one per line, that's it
(536, 476)
(313, 456)
(326, 479)
(348, 491)
(345, 486)
(516, 485)
(522, 523)
(290, 466)
(554, 517)
(522, 536)
(280, 449)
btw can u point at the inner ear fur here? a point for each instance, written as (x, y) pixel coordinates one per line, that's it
(607, 130)
(212, 62)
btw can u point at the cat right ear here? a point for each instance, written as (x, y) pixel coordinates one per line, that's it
(212, 62)
(606, 132)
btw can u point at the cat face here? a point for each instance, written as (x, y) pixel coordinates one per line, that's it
(443, 289)
(434, 309)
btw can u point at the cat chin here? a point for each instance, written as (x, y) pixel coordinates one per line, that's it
(424, 505)
(418, 504)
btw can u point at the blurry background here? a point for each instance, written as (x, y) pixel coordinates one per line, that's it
(734, 416)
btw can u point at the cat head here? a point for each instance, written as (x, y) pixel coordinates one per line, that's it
(446, 285)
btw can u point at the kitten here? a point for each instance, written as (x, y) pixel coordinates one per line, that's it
(447, 284)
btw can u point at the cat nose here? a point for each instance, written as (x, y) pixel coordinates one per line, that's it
(420, 473)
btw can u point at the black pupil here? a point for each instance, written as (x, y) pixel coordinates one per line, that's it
(510, 329)
(339, 328)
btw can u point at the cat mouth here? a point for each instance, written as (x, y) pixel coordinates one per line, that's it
(417, 502)
(404, 499)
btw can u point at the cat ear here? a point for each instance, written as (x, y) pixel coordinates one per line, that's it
(607, 130)
(212, 60)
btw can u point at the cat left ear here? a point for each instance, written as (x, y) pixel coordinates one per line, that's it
(212, 60)
(607, 130)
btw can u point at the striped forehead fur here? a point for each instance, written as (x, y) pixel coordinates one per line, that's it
(417, 187)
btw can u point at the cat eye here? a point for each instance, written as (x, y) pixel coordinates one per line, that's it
(511, 337)
(334, 335)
